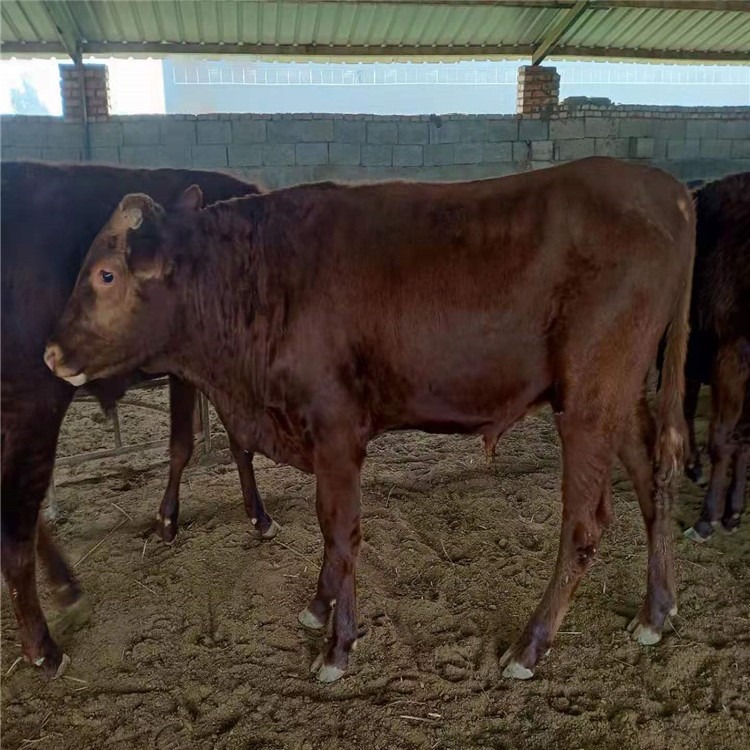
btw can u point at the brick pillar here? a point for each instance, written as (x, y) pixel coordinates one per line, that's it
(538, 90)
(96, 86)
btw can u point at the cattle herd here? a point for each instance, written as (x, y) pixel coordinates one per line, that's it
(317, 317)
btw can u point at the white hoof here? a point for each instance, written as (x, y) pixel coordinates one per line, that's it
(328, 673)
(645, 635)
(516, 671)
(271, 531)
(63, 666)
(309, 620)
(694, 536)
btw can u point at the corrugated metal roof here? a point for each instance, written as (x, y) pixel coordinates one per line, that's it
(392, 29)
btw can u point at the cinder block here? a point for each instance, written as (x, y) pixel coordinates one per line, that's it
(105, 155)
(542, 151)
(248, 131)
(415, 133)
(281, 155)
(702, 129)
(715, 148)
(671, 129)
(560, 130)
(741, 148)
(618, 148)
(376, 155)
(636, 127)
(497, 152)
(140, 133)
(64, 134)
(382, 132)
(600, 127)
(344, 154)
(311, 154)
(642, 148)
(61, 153)
(350, 131)
(438, 154)
(578, 148)
(734, 129)
(410, 155)
(448, 131)
(467, 153)
(300, 131)
(683, 149)
(533, 130)
(174, 155)
(209, 155)
(245, 155)
(213, 132)
(474, 131)
(502, 130)
(176, 132)
(14, 153)
(105, 135)
(18, 131)
(139, 156)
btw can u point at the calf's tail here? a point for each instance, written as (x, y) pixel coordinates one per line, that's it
(671, 435)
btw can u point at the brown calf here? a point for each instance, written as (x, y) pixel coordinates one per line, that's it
(50, 216)
(318, 317)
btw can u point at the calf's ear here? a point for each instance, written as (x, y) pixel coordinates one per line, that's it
(140, 218)
(191, 199)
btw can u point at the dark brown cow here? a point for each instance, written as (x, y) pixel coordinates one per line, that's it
(719, 347)
(320, 316)
(50, 216)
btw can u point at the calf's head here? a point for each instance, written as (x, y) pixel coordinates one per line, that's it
(120, 313)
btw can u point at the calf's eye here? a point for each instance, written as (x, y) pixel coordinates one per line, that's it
(108, 277)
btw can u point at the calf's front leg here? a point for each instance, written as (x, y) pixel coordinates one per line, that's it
(338, 508)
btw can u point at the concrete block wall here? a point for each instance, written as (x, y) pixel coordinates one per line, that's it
(279, 150)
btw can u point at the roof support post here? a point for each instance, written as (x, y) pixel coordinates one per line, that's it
(554, 32)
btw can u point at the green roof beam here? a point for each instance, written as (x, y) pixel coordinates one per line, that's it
(66, 28)
(555, 31)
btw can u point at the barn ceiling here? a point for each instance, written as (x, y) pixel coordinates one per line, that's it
(689, 30)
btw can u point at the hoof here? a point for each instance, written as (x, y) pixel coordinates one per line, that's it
(165, 529)
(309, 620)
(643, 634)
(731, 525)
(326, 673)
(271, 531)
(701, 532)
(64, 662)
(513, 670)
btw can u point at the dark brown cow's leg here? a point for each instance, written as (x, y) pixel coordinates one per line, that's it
(735, 502)
(182, 400)
(29, 442)
(637, 455)
(728, 389)
(64, 584)
(254, 507)
(338, 508)
(693, 467)
(587, 461)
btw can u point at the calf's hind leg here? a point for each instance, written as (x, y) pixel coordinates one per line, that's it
(586, 498)
(728, 390)
(637, 455)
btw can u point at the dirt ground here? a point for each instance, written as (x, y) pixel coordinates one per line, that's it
(197, 645)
